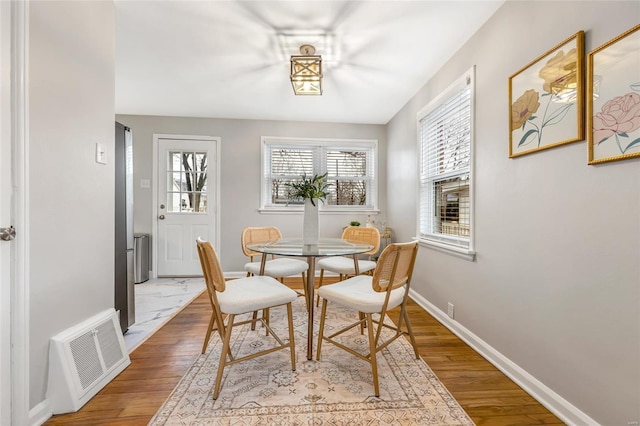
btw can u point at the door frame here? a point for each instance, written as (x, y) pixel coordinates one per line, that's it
(154, 210)
(14, 296)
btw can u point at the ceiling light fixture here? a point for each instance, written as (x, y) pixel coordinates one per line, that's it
(306, 71)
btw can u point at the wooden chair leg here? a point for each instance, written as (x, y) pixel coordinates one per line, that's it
(323, 314)
(254, 318)
(212, 322)
(319, 285)
(373, 355)
(292, 344)
(255, 313)
(266, 317)
(410, 330)
(223, 355)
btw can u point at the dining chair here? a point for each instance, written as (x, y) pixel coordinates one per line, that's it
(377, 294)
(276, 267)
(349, 266)
(241, 296)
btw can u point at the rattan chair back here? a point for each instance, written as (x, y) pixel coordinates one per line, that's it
(363, 235)
(213, 276)
(258, 235)
(395, 266)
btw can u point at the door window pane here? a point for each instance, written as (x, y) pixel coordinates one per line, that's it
(187, 182)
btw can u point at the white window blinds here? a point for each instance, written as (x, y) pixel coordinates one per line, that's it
(285, 164)
(350, 166)
(350, 174)
(445, 149)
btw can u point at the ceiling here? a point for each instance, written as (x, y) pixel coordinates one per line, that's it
(230, 59)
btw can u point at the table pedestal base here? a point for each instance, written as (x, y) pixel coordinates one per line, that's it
(311, 274)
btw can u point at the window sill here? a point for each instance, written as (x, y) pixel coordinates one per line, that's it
(460, 252)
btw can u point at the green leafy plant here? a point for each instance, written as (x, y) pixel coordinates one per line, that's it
(309, 188)
(354, 223)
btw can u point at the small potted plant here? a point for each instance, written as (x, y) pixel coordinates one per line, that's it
(354, 223)
(309, 189)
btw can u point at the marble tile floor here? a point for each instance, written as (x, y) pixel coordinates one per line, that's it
(157, 301)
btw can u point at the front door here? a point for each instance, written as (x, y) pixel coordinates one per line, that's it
(187, 190)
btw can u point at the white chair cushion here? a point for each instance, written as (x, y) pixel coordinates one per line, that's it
(344, 265)
(358, 294)
(280, 267)
(253, 294)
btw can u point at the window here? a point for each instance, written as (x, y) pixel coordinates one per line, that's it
(445, 140)
(350, 166)
(187, 182)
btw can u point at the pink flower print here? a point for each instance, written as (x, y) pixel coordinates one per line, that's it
(619, 115)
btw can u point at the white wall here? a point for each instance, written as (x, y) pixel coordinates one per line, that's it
(71, 205)
(240, 173)
(555, 287)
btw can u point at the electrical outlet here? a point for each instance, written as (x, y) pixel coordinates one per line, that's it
(450, 310)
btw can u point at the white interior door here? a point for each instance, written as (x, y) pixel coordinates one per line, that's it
(14, 287)
(5, 217)
(186, 205)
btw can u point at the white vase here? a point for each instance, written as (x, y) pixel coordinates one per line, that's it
(310, 233)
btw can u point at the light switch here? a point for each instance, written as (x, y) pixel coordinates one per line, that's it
(101, 154)
(145, 183)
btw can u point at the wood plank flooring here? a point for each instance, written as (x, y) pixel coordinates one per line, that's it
(132, 398)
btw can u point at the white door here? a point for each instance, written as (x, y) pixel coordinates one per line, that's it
(5, 218)
(14, 289)
(186, 201)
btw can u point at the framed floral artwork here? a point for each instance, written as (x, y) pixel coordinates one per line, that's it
(546, 99)
(613, 93)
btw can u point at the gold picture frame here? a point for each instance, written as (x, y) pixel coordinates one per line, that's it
(613, 93)
(546, 99)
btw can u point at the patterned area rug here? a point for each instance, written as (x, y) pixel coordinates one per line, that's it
(337, 390)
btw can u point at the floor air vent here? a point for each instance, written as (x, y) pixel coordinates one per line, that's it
(83, 359)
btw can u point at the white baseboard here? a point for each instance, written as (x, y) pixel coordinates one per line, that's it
(559, 406)
(40, 413)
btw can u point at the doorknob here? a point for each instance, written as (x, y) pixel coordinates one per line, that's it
(161, 217)
(7, 234)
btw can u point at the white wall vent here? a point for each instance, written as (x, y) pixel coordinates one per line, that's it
(83, 359)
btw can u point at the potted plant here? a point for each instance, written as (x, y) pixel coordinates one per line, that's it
(309, 189)
(354, 223)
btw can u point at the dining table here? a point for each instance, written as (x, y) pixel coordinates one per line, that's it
(297, 247)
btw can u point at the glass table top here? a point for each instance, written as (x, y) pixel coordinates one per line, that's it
(325, 247)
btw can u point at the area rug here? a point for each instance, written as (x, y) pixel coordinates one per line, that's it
(337, 390)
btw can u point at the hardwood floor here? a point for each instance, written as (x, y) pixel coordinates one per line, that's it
(132, 398)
